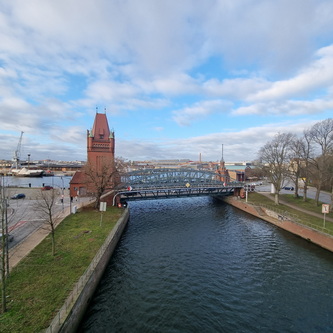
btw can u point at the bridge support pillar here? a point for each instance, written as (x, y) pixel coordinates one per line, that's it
(237, 192)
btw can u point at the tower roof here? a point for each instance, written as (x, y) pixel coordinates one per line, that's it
(100, 130)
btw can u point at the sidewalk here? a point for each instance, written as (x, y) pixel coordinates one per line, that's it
(310, 234)
(20, 251)
(321, 216)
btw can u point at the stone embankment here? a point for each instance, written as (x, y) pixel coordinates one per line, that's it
(68, 318)
(312, 235)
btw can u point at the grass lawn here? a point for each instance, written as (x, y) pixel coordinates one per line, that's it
(303, 218)
(40, 283)
(309, 204)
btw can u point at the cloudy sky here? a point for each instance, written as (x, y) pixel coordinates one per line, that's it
(177, 78)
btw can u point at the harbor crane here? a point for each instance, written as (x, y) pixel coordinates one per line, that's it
(17, 153)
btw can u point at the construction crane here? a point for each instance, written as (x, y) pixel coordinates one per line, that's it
(17, 154)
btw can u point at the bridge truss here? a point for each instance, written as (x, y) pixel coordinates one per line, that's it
(169, 183)
(160, 177)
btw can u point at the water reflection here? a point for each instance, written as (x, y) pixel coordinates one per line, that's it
(199, 265)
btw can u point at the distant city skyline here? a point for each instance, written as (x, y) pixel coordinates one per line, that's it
(176, 78)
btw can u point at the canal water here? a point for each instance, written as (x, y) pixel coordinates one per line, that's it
(200, 265)
(55, 181)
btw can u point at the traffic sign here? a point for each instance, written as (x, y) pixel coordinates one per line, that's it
(325, 208)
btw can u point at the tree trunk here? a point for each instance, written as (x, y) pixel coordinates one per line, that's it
(317, 195)
(3, 286)
(296, 188)
(276, 198)
(4, 241)
(53, 239)
(305, 192)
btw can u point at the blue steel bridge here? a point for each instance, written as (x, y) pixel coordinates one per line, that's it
(148, 184)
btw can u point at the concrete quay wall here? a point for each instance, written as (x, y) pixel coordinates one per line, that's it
(70, 315)
(323, 240)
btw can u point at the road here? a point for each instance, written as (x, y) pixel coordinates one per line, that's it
(23, 219)
(323, 197)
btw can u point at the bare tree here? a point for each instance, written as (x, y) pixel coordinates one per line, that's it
(330, 180)
(321, 134)
(275, 156)
(306, 156)
(295, 168)
(103, 178)
(46, 208)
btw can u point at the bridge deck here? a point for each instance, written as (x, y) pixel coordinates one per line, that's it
(163, 183)
(166, 193)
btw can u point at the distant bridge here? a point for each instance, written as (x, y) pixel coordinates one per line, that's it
(161, 183)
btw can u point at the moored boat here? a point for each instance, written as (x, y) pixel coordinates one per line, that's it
(24, 172)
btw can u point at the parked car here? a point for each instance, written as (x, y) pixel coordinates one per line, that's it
(18, 196)
(46, 188)
(8, 237)
(288, 188)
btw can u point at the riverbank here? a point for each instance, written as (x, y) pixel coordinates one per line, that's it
(317, 237)
(40, 283)
(68, 318)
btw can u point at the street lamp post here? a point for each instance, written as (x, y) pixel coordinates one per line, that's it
(62, 193)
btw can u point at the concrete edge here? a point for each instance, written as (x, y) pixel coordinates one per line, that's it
(314, 236)
(70, 315)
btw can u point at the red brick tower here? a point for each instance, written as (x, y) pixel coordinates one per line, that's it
(223, 174)
(100, 143)
(100, 156)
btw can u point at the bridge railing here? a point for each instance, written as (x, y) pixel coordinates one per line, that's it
(171, 175)
(154, 191)
(143, 186)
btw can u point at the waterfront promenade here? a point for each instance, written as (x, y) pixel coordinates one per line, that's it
(330, 219)
(18, 252)
(26, 246)
(317, 235)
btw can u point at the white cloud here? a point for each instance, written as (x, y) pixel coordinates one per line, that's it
(185, 116)
(317, 75)
(109, 90)
(59, 59)
(238, 88)
(238, 146)
(291, 108)
(275, 35)
(173, 85)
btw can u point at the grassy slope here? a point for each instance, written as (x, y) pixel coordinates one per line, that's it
(304, 218)
(38, 286)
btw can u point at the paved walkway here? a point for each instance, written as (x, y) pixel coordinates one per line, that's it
(17, 253)
(321, 216)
